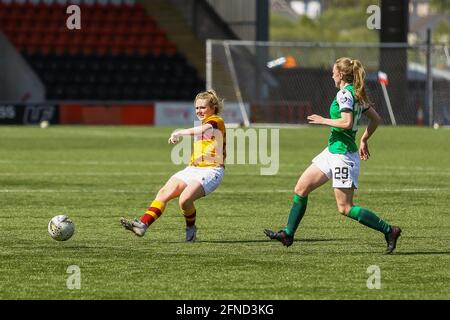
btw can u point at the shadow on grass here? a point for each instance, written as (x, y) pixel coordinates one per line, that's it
(257, 241)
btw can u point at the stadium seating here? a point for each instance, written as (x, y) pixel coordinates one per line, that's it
(120, 53)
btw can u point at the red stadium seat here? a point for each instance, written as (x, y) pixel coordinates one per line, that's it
(4, 10)
(101, 50)
(159, 40)
(143, 51)
(124, 16)
(98, 15)
(156, 51)
(62, 39)
(139, 18)
(88, 50)
(20, 39)
(26, 26)
(120, 43)
(105, 40)
(138, 7)
(35, 39)
(42, 13)
(90, 26)
(49, 39)
(170, 48)
(40, 27)
(90, 40)
(111, 17)
(11, 26)
(135, 28)
(124, 30)
(42, 49)
(74, 42)
(148, 27)
(28, 16)
(72, 50)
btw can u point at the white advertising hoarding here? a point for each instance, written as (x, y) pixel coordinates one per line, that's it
(183, 113)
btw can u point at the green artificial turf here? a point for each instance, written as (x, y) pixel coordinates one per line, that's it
(98, 174)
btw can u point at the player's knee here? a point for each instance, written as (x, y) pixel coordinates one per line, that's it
(343, 209)
(165, 194)
(301, 190)
(184, 203)
(162, 193)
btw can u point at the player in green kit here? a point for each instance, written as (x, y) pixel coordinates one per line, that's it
(340, 160)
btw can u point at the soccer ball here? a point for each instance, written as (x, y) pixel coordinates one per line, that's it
(44, 124)
(61, 228)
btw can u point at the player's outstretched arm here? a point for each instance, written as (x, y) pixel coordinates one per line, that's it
(175, 136)
(374, 121)
(345, 122)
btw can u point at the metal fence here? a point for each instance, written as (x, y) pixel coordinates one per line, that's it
(284, 82)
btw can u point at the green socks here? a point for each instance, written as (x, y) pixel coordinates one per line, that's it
(369, 219)
(296, 214)
(362, 215)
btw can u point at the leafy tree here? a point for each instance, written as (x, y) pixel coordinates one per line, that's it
(336, 24)
(442, 32)
(441, 6)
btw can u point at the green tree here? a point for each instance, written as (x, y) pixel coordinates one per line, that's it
(442, 32)
(441, 6)
(336, 24)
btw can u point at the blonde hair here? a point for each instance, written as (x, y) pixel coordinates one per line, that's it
(213, 100)
(353, 72)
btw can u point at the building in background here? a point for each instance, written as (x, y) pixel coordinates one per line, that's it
(310, 8)
(423, 15)
(297, 8)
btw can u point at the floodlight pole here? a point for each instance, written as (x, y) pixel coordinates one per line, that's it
(429, 84)
(208, 64)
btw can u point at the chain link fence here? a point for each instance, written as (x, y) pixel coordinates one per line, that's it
(282, 83)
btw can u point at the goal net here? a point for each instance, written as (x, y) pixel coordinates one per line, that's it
(281, 83)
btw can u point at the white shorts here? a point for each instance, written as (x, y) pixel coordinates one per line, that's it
(342, 168)
(209, 177)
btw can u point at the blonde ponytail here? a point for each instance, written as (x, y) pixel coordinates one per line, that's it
(353, 72)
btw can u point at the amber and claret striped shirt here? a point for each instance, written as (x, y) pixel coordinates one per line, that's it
(210, 147)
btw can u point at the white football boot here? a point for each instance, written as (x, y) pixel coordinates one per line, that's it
(135, 226)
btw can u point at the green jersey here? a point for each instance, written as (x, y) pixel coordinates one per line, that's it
(342, 141)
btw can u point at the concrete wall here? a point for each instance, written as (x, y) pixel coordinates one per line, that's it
(239, 16)
(18, 82)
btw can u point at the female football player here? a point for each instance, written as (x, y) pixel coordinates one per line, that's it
(201, 177)
(340, 160)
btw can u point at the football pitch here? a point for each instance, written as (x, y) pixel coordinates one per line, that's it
(98, 174)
